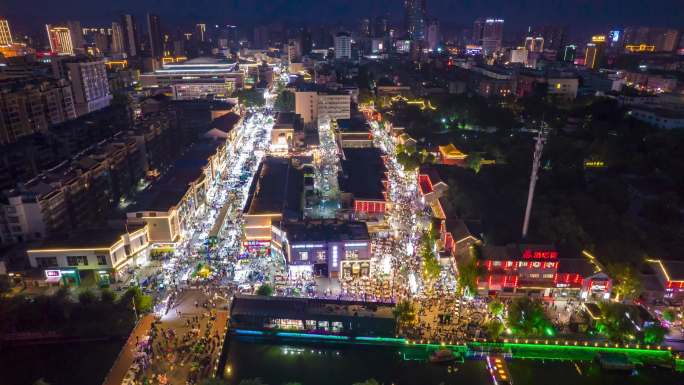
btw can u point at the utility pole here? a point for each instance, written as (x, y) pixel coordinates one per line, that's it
(538, 148)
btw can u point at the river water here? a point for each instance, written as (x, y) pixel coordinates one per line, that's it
(331, 364)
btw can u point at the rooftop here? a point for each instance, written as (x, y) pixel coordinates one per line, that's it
(277, 187)
(95, 238)
(173, 185)
(300, 308)
(325, 231)
(363, 172)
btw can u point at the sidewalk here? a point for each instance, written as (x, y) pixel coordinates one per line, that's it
(123, 362)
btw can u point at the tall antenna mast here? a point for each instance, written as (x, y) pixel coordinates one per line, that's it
(538, 148)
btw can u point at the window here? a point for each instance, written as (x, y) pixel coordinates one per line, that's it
(303, 255)
(496, 263)
(547, 276)
(46, 262)
(101, 260)
(535, 275)
(351, 254)
(77, 260)
(320, 255)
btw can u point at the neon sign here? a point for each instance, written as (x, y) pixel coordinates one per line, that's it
(529, 254)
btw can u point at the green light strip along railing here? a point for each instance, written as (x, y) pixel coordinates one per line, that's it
(654, 352)
(382, 339)
(312, 336)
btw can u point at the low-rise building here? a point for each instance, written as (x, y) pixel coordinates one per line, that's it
(276, 195)
(97, 255)
(197, 78)
(171, 205)
(659, 117)
(287, 316)
(288, 132)
(326, 248)
(363, 183)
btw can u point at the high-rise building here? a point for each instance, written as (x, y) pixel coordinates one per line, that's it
(117, 46)
(88, 82)
(593, 55)
(534, 44)
(130, 35)
(305, 40)
(432, 34)
(60, 40)
(294, 51)
(490, 33)
(415, 13)
(76, 33)
(154, 36)
(31, 104)
(5, 33)
(200, 32)
(554, 36)
(365, 28)
(569, 53)
(380, 27)
(342, 45)
(663, 39)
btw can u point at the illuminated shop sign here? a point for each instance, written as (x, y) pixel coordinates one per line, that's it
(53, 273)
(529, 254)
(356, 244)
(307, 246)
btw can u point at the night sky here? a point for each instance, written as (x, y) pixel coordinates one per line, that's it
(579, 14)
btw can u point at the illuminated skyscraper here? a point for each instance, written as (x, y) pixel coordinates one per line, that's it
(534, 44)
(5, 33)
(117, 46)
(415, 12)
(342, 46)
(432, 34)
(200, 32)
(569, 53)
(130, 35)
(60, 40)
(489, 34)
(154, 36)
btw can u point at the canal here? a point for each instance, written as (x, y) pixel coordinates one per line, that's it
(76, 363)
(342, 364)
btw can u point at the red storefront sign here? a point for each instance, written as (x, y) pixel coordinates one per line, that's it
(529, 254)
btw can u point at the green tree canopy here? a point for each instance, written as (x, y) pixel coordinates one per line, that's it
(526, 317)
(251, 97)
(265, 289)
(405, 312)
(467, 276)
(285, 101)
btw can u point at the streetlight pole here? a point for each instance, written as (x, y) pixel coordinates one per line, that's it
(538, 148)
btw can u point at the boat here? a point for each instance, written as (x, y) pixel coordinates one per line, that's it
(442, 356)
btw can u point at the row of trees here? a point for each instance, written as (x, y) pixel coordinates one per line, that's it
(86, 315)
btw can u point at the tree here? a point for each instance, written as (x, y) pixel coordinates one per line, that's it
(285, 101)
(86, 297)
(526, 317)
(496, 308)
(265, 290)
(405, 312)
(467, 276)
(627, 283)
(494, 328)
(616, 321)
(654, 334)
(251, 98)
(107, 296)
(669, 315)
(143, 303)
(474, 162)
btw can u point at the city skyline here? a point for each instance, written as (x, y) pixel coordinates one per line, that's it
(32, 14)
